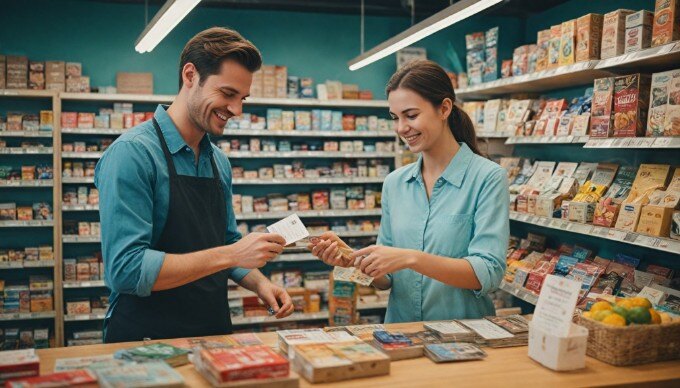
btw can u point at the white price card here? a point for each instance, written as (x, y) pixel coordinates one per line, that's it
(591, 143)
(662, 142)
(486, 329)
(653, 295)
(556, 304)
(646, 142)
(291, 228)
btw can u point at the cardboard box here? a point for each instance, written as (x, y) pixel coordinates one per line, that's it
(631, 100)
(134, 83)
(491, 112)
(559, 353)
(281, 81)
(659, 102)
(607, 209)
(567, 43)
(257, 86)
(542, 43)
(613, 33)
(602, 108)
(78, 84)
(638, 31)
(74, 69)
(649, 177)
(672, 120)
(554, 46)
(675, 226)
(655, 220)
(666, 26)
(588, 36)
(36, 76)
(3, 71)
(269, 81)
(17, 72)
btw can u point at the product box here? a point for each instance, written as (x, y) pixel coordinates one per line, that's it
(55, 75)
(638, 31)
(134, 83)
(3, 71)
(490, 65)
(269, 81)
(17, 72)
(659, 102)
(650, 177)
(256, 87)
(602, 108)
(554, 46)
(520, 60)
(567, 43)
(588, 36)
(656, 217)
(491, 112)
(607, 209)
(74, 69)
(36, 76)
(666, 26)
(672, 119)
(613, 33)
(631, 100)
(78, 84)
(675, 225)
(334, 90)
(281, 81)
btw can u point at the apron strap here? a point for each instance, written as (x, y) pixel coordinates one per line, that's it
(166, 150)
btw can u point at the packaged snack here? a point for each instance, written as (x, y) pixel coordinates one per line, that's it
(567, 43)
(602, 108)
(638, 31)
(672, 119)
(631, 99)
(613, 33)
(588, 37)
(554, 46)
(666, 26)
(659, 102)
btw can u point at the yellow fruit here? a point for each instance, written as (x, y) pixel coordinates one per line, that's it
(602, 314)
(665, 318)
(626, 303)
(586, 314)
(656, 318)
(599, 306)
(639, 301)
(614, 320)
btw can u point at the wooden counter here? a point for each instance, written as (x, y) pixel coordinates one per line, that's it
(503, 367)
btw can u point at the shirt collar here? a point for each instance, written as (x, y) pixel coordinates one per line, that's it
(172, 136)
(454, 172)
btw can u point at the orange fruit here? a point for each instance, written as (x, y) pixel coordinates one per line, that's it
(599, 306)
(625, 303)
(656, 318)
(614, 320)
(639, 301)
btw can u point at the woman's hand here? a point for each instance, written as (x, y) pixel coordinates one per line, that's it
(377, 260)
(331, 250)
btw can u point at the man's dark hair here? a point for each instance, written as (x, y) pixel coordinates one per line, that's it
(208, 49)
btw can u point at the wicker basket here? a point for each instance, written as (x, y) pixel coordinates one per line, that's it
(632, 345)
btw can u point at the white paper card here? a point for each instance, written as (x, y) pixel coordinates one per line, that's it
(487, 329)
(450, 327)
(291, 228)
(654, 296)
(556, 304)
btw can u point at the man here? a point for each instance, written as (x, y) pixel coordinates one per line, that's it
(169, 236)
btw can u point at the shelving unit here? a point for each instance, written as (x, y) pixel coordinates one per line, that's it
(308, 214)
(26, 264)
(28, 183)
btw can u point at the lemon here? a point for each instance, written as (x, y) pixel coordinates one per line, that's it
(586, 314)
(639, 315)
(599, 306)
(656, 318)
(625, 303)
(639, 301)
(614, 320)
(602, 314)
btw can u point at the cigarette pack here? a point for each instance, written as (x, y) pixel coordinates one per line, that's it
(554, 46)
(601, 112)
(567, 43)
(666, 26)
(614, 33)
(18, 364)
(631, 99)
(588, 37)
(638, 31)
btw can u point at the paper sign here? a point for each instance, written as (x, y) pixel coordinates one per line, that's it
(556, 304)
(654, 296)
(291, 228)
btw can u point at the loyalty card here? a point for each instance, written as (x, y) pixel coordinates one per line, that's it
(291, 228)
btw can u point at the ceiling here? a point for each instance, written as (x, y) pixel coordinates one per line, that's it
(423, 8)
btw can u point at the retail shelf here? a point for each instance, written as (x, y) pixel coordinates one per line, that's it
(307, 181)
(79, 208)
(82, 155)
(635, 142)
(26, 150)
(73, 239)
(493, 135)
(651, 59)
(93, 131)
(295, 257)
(581, 73)
(71, 180)
(26, 264)
(651, 242)
(372, 305)
(84, 284)
(314, 134)
(357, 234)
(27, 224)
(547, 140)
(27, 183)
(27, 93)
(309, 214)
(45, 134)
(26, 316)
(520, 292)
(314, 102)
(295, 317)
(118, 97)
(308, 154)
(84, 317)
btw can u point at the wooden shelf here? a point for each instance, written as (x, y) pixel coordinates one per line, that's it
(27, 183)
(38, 134)
(118, 97)
(84, 284)
(27, 316)
(26, 151)
(308, 154)
(307, 181)
(547, 140)
(309, 214)
(635, 142)
(27, 224)
(27, 93)
(26, 264)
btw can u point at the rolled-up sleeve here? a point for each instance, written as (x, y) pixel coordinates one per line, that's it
(125, 182)
(236, 274)
(488, 247)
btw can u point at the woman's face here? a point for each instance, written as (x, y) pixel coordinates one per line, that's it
(419, 124)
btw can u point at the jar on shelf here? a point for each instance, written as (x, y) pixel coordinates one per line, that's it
(67, 171)
(89, 168)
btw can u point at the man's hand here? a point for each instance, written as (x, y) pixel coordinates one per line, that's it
(276, 297)
(380, 260)
(329, 250)
(255, 249)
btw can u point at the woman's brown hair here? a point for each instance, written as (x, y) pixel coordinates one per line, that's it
(431, 82)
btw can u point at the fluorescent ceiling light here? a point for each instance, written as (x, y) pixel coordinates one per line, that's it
(172, 12)
(442, 19)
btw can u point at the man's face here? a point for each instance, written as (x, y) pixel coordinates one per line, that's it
(219, 98)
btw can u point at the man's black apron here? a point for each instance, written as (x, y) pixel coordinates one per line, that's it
(196, 221)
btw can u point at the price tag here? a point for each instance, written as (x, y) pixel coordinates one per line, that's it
(615, 234)
(532, 220)
(646, 142)
(626, 142)
(544, 139)
(555, 224)
(591, 143)
(553, 139)
(524, 217)
(569, 139)
(662, 142)
(571, 226)
(607, 143)
(545, 222)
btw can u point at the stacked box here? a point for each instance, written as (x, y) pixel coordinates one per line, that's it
(256, 87)
(17, 72)
(542, 43)
(269, 81)
(588, 37)
(631, 100)
(36, 76)
(672, 120)
(306, 88)
(554, 46)
(281, 81)
(55, 75)
(614, 33)
(649, 177)
(601, 111)
(666, 26)
(3, 71)
(293, 87)
(567, 43)
(638, 31)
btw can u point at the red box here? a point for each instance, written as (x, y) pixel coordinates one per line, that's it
(69, 119)
(631, 100)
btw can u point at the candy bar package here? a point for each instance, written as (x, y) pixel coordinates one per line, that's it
(613, 33)
(520, 60)
(475, 41)
(666, 26)
(659, 103)
(631, 100)
(602, 108)
(638, 31)
(567, 43)
(588, 37)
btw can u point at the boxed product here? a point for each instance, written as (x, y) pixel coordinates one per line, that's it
(491, 64)
(36, 76)
(588, 36)
(567, 43)
(631, 100)
(17, 72)
(601, 111)
(659, 102)
(614, 33)
(319, 363)
(582, 207)
(3, 71)
(672, 119)
(134, 83)
(475, 66)
(74, 69)
(638, 31)
(650, 177)
(256, 87)
(281, 81)
(520, 60)
(78, 84)
(655, 218)
(666, 26)
(554, 46)
(55, 75)
(8, 211)
(542, 42)
(607, 209)
(491, 112)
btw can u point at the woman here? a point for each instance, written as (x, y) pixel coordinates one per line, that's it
(444, 229)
